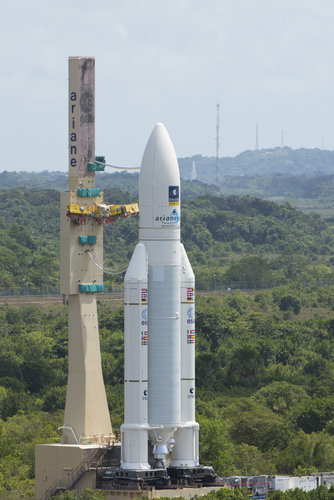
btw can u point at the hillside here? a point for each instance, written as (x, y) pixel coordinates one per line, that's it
(265, 162)
(231, 242)
(284, 162)
(303, 177)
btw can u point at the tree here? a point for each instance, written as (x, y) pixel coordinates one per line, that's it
(249, 272)
(290, 302)
(261, 428)
(244, 367)
(315, 414)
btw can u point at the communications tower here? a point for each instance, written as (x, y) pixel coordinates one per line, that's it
(217, 146)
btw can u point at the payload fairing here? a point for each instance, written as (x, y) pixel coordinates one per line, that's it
(159, 325)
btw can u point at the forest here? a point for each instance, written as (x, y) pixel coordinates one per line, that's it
(264, 333)
(264, 375)
(232, 242)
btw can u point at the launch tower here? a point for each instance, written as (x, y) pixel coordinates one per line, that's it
(86, 410)
(87, 432)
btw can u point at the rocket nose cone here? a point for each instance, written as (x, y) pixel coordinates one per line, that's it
(159, 156)
(137, 269)
(159, 183)
(159, 127)
(159, 133)
(159, 130)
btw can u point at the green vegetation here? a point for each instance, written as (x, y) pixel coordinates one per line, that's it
(264, 359)
(265, 381)
(232, 242)
(122, 181)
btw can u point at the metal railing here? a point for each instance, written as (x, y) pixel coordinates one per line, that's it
(46, 292)
(76, 474)
(201, 286)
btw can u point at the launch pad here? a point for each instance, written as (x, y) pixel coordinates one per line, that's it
(166, 478)
(78, 467)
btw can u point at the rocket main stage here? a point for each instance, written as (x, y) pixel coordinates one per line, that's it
(160, 433)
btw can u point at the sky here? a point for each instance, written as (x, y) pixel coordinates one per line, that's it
(266, 62)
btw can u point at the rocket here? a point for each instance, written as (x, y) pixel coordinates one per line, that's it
(159, 427)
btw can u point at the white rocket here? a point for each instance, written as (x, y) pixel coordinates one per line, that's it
(159, 324)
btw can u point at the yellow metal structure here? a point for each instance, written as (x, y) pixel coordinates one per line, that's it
(103, 211)
(124, 210)
(74, 208)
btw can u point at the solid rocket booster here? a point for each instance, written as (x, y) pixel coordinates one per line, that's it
(186, 437)
(159, 323)
(135, 427)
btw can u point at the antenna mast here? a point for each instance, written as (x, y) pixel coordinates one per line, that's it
(257, 138)
(217, 147)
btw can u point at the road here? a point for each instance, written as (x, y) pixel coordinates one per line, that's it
(26, 300)
(106, 297)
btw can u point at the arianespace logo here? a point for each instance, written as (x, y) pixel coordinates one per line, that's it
(168, 220)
